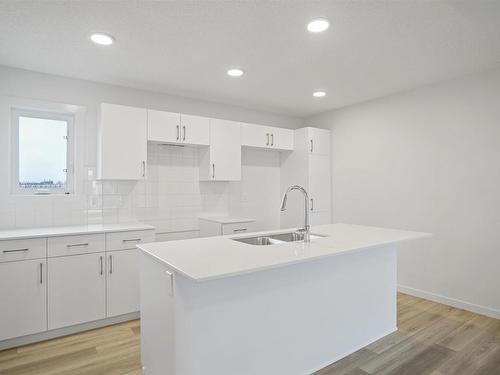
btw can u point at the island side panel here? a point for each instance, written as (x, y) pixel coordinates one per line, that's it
(157, 318)
(289, 320)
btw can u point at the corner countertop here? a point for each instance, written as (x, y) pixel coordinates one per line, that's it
(226, 219)
(203, 259)
(14, 234)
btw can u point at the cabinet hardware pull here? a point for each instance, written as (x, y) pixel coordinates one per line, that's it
(143, 168)
(239, 230)
(184, 133)
(41, 273)
(170, 275)
(178, 132)
(312, 204)
(110, 264)
(272, 139)
(312, 145)
(267, 141)
(100, 265)
(132, 240)
(15, 250)
(213, 170)
(77, 244)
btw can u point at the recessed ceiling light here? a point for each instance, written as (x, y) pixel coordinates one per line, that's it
(318, 25)
(235, 72)
(319, 94)
(102, 39)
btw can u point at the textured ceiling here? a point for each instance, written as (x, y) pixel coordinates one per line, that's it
(372, 49)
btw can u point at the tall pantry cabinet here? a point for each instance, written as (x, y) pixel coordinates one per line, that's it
(308, 166)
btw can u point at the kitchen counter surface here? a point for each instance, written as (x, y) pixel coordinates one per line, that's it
(12, 234)
(203, 259)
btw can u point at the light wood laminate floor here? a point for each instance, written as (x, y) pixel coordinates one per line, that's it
(432, 339)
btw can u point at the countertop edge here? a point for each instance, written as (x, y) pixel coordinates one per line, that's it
(71, 231)
(239, 272)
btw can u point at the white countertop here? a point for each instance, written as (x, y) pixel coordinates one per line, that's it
(203, 259)
(226, 219)
(12, 234)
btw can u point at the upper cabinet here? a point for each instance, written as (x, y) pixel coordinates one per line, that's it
(318, 141)
(266, 137)
(177, 128)
(222, 160)
(122, 143)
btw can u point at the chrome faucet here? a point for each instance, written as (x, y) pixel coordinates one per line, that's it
(306, 228)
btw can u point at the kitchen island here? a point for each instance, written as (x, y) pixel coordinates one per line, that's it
(217, 306)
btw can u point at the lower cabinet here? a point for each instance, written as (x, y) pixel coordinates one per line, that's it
(66, 280)
(76, 289)
(23, 296)
(122, 282)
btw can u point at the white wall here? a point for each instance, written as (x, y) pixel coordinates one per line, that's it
(172, 196)
(428, 160)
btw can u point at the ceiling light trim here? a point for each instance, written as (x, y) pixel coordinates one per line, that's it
(102, 39)
(318, 25)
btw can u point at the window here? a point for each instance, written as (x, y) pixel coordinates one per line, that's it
(43, 152)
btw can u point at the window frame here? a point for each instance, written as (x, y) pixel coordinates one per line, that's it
(69, 118)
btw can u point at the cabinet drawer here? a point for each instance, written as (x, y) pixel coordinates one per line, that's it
(33, 248)
(237, 228)
(128, 240)
(74, 245)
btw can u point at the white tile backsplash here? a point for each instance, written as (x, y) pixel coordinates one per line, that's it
(171, 198)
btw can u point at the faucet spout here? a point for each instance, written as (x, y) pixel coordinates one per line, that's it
(307, 227)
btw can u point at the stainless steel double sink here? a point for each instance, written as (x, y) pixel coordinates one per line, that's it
(276, 238)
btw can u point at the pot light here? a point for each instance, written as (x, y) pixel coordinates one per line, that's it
(318, 25)
(319, 94)
(235, 72)
(102, 39)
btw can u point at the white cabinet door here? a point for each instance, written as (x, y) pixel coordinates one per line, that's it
(282, 139)
(224, 157)
(195, 130)
(122, 151)
(179, 128)
(266, 137)
(164, 126)
(255, 136)
(319, 182)
(23, 292)
(77, 287)
(319, 141)
(122, 282)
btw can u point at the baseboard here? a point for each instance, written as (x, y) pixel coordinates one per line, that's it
(479, 309)
(350, 351)
(47, 335)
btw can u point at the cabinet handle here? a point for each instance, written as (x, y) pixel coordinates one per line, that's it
(178, 132)
(272, 139)
(132, 240)
(239, 230)
(15, 250)
(170, 275)
(213, 170)
(312, 145)
(267, 141)
(312, 204)
(77, 244)
(41, 273)
(100, 266)
(184, 133)
(143, 168)
(110, 264)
